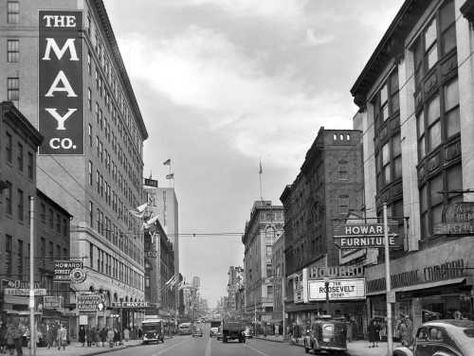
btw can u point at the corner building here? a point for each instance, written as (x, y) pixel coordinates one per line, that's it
(416, 98)
(100, 182)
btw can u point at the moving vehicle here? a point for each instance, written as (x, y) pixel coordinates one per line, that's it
(215, 324)
(197, 331)
(153, 330)
(326, 334)
(185, 329)
(248, 332)
(233, 330)
(451, 337)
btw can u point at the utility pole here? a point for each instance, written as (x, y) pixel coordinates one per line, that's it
(32, 279)
(387, 281)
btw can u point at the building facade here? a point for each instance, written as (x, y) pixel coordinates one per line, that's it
(235, 287)
(51, 229)
(279, 282)
(328, 189)
(263, 228)
(76, 91)
(415, 98)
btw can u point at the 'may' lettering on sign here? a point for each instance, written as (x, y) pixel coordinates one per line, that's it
(60, 82)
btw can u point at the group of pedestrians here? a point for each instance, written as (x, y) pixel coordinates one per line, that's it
(404, 328)
(102, 337)
(56, 335)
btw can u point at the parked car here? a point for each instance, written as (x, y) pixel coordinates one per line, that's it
(213, 331)
(248, 332)
(441, 337)
(326, 334)
(197, 331)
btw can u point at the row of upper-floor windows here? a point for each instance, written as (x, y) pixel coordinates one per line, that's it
(103, 262)
(16, 154)
(126, 242)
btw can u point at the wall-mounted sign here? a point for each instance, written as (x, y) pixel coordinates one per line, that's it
(458, 219)
(63, 270)
(339, 289)
(370, 235)
(151, 254)
(336, 271)
(60, 82)
(24, 292)
(19, 284)
(129, 305)
(53, 302)
(89, 301)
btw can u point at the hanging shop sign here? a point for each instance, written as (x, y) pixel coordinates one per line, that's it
(53, 302)
(338, 289)
(67, 271)
(89, 301)
(60, 82)
(370, 235)
(457, 219)
(336, 271)
(19, 284)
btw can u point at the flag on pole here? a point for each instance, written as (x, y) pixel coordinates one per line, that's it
(150, 222)
(170, 176)
(139, 211)
(260, 169)
(167, 162)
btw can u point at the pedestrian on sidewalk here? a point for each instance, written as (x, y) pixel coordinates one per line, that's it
(103, 336)
(373, 333)
(62, 337)
(18, 338)
(3, 341)
(82, 335)
(126, 334)
(110, 337)
(10, 339)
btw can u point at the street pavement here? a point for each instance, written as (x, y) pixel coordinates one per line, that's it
(206, 346)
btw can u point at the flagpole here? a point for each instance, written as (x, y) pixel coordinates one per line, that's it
(260, 171)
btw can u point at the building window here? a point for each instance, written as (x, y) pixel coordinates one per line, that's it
(8, 252)
(89, 98)
(30, 165)
(269, 291)
(20, 258)
(13, 12)
(343, 204)
(9, 148)
(436, 89)
(51, 218)
(269, 270)
(89, 132)
(8, 199)
(20, 157)
(13, 90)
(13, 51)
(386, 102)
(21, 205)
(90, 170)
(43, 213)
(91, 214)
(58, 223)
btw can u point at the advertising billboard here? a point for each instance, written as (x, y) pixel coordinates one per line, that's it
(60, 112)
(339, 289)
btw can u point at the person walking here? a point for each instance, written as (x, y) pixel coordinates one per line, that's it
(62, 337)
(110, 337)
(82, 335)
(103, 336)
(10, 339)
(373, 333)
(3, 340)
(126, 335)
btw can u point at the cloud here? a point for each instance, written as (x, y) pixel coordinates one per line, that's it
(202, 70)
(315, 39)
(271, 9)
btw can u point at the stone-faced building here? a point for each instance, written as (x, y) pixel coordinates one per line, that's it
(416, 99)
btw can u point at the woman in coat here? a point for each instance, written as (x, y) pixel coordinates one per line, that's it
(373, 333)
(82, 335)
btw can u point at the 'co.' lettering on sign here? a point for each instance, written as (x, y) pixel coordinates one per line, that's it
(60, 82)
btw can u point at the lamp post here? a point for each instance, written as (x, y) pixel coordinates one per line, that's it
(326, 288)
(32, 279)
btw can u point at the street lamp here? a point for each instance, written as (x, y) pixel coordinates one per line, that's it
(326, 288)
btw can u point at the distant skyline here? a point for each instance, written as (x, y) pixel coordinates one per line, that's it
(223, 84)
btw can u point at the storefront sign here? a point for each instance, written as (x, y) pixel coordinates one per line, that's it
(24, 292)
(433, 273)
(339, 289)
(89, 302)
(370, 235)
(52, 302)
(19, 284)
(129, 305)
(63, 269)
(458, 219)
(60, 82)
(336, 271)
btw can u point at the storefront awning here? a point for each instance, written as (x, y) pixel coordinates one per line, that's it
(422, 286)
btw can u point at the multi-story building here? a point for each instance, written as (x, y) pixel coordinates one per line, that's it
(52, 222)
(328, 188)
(64, 71)
(261, 231)
(416, 98)
(161, 285)
(235, 285)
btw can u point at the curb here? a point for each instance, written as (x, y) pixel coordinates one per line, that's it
(110, 349)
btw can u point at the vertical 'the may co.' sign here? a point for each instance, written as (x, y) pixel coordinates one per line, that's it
(60, 82)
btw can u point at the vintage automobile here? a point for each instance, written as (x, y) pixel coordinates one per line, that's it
(197, 331)
(213, 331)
(153, 330)
(326, 334)
(449, 337)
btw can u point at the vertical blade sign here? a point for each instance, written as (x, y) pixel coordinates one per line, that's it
(60, 82)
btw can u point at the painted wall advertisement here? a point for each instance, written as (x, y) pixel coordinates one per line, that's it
(60, 117)
(339, 289)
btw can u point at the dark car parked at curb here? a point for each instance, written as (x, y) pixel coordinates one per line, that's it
(450, 337)
(326, 334)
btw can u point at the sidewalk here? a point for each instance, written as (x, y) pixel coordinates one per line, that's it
(76, 349)
(354, 348)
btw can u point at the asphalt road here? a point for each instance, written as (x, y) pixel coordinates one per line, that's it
(206, 346)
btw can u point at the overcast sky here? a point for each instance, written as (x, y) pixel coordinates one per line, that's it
(222, 84)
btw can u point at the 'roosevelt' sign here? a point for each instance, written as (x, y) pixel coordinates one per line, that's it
(60, 82)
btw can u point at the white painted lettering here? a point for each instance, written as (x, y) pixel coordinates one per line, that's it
(60, 119)
(61, 77)
(52, 45)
